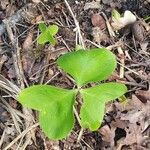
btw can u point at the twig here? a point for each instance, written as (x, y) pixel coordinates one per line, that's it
(2, 137)
(20, 135)
(122, 61)
(132, 71)
(76, 23)
(55, 75)
(19, 74)
(110, 30)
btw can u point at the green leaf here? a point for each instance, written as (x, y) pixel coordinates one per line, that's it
(94, 99)
(42, 27)
(43, 37)
(53, 29)
(58, 120)
(88, 66)
(47, 34)
(39, 97)
(52, 39)
(55, 106)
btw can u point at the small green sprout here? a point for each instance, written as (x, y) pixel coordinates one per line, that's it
(47, 34)
(55, 105)
(115, 15)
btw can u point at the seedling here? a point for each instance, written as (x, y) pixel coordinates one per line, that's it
(47, 34)
(55, 105)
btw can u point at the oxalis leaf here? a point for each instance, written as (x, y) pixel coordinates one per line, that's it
(94, 99)
(47, 34)
(55, 106)
(88, 65)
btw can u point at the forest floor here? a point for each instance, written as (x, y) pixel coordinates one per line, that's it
(23, 63)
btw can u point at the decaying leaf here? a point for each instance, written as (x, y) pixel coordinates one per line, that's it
(108, 134)
(98, 21)
(27, 44)
(138, 31)
(143, 96)
(27, 53)
(133, 118)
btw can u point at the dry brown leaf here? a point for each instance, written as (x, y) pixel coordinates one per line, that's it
(36, 20)
(108, 134)
(143, 96)
(133, 135)
(98, 21)
(28, 57)
(138, 31)
(27, 44)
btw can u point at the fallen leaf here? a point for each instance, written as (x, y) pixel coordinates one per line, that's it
(98, 21)
(36, 20)
(143, 96)
(138, 31)
(108, 134)
(27, 44)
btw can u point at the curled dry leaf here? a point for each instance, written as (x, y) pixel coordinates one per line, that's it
(108, 134)
(27, 53)
(138, 31)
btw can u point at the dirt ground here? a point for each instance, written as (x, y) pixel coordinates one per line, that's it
(23, 62)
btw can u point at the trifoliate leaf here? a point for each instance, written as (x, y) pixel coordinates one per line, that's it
(88, 65)
(47, 34)
(94, 99)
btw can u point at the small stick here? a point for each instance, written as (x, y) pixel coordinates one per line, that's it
(19, 74)
(121, 53)
(20, 135)
(2, 137)
(77, 25)
(110, 30)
